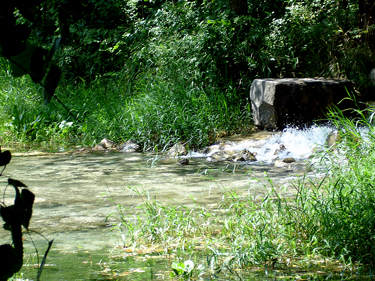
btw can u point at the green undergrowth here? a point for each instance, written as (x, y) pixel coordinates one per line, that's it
(324, 230)
(179, 70)
(156, 113)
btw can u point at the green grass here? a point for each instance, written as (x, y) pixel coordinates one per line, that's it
(326, 225)
(155, 112)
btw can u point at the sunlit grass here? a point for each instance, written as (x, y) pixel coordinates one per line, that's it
(322, 226)
(156, 113)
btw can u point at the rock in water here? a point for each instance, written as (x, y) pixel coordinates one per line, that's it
(107, 144)
(277, 103)
(289, 160)
(280, 164)
(247, 155)
(281, 148)
(233, 155)
(220, 156)
(178, 149)
(184, 161)
(129, 146)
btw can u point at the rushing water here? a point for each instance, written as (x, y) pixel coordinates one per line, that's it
(76, 193)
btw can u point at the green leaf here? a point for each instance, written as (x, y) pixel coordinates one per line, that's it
(20, 64)
(178, 268)
(84, 128)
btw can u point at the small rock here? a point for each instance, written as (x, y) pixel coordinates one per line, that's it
(107, 144)
(289, 160)
(177, 150)
(184, 161)
(221, 156)
(247, 155)
(280, 164)
(280, 149)
(129, 146)
(302, 169)
(206, 150)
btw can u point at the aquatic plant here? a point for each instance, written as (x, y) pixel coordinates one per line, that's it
(185, 270)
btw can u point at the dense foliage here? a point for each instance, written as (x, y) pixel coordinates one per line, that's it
(121, 60)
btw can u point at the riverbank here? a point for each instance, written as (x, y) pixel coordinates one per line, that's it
(225, 217)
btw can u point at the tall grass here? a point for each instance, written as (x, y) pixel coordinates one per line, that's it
(23, 116)
(328, 217)
(343, 205)
(156, 112)
(164, 113)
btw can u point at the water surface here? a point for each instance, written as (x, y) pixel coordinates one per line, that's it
(76, 193)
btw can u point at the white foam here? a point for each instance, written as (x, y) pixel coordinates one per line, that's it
(299, 144)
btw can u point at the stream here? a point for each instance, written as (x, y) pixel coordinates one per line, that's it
(75, 193)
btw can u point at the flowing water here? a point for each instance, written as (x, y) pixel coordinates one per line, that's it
(76, 193)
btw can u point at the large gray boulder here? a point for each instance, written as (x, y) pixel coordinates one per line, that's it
(277, 103)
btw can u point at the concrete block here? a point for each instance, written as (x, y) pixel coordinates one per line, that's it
(278, 103)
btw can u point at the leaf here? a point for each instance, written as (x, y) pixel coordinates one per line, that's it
(5, 158)
(20, 64)
(16, 183)
(5, 214)
(52, 81)
(178, 268)
(28, 200)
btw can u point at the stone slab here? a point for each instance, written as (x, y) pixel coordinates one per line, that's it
(278, 103)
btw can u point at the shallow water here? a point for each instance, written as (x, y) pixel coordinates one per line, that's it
(76, 193)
